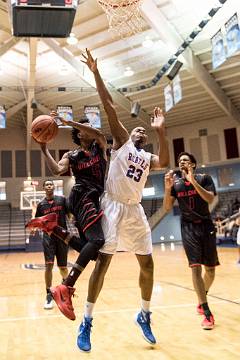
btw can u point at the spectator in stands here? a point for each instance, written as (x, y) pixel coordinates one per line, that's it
(194, 193)
(51, 245)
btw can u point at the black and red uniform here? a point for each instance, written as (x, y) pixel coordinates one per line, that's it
(197, 229)
(88, 168)
(51, 245)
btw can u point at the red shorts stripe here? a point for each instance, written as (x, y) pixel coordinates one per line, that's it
(93, 221)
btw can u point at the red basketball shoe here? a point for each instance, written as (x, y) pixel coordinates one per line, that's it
(62, 295)
(46, 223)
(208, 323)
(200, 310)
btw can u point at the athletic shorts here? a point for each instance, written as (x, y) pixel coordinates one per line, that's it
(199, 241)
(53, 246)
(85, 206)
(238, 236)
(125, 227)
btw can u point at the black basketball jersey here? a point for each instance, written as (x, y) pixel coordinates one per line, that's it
(191, 204)
(56, 205)
(89, 167)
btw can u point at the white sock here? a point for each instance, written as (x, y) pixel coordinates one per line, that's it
(88, 309)
(145, 306)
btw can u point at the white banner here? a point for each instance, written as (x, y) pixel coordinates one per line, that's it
(92, 112)
(66, 112)
(218, 50)
(232, 35)
(177, 89)
(168, 97)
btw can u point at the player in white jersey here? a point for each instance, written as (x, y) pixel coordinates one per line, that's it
(124, 221)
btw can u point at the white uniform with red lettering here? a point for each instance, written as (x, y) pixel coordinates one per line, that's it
(124, 222)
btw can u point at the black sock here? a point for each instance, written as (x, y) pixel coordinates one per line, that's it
(48, 291)
(73, 276)
(206, 310)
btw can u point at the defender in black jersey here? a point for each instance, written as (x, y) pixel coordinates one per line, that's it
(88, 164)
(194, 193)
(51, 245)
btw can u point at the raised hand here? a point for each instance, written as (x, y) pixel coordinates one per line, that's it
(188, 173)
(169, 179)
(59, 120)
(157, 118)
(89, 61)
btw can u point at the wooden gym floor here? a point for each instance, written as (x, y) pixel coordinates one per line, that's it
(28, 332)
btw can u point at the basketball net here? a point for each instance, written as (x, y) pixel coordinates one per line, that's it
(124, 16)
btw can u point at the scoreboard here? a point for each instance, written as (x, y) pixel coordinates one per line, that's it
(42, 18)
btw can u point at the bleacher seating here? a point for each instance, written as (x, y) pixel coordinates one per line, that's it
(5, 216)
(12, 224)
(224, 207)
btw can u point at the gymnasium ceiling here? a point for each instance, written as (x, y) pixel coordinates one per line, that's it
(30, 67)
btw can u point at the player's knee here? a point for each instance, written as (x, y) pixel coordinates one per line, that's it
(197, 271)
(210, 270)
(99, 243)
(146, 264)
(96, 246)
(48, 267)
(102, 264)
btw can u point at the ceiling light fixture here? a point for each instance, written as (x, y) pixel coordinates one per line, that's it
(72, 40)
(147, 43)
(128, 71)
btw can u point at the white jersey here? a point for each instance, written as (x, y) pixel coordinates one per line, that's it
(128, 172)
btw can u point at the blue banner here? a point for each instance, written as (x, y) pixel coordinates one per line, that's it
(2, 117)
(232, 35)
(218, 50)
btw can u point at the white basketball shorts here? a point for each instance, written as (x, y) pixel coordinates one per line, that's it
(125, 227)
(238, 236)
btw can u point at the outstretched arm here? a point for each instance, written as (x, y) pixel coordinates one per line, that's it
(95, 133)
(162, 159)
(119, 132)
(56, 168)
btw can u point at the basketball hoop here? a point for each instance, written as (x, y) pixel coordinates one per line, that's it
(124, 16)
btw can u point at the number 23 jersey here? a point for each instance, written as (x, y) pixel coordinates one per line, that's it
(128, 172)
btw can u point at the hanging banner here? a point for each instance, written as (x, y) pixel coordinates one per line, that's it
(66, 112)
(232, 35)
(177, 89)
(2, 117)
(92, 112)
(168, 97)
(218, 50)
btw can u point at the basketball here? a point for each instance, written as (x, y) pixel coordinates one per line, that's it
(44, 129)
